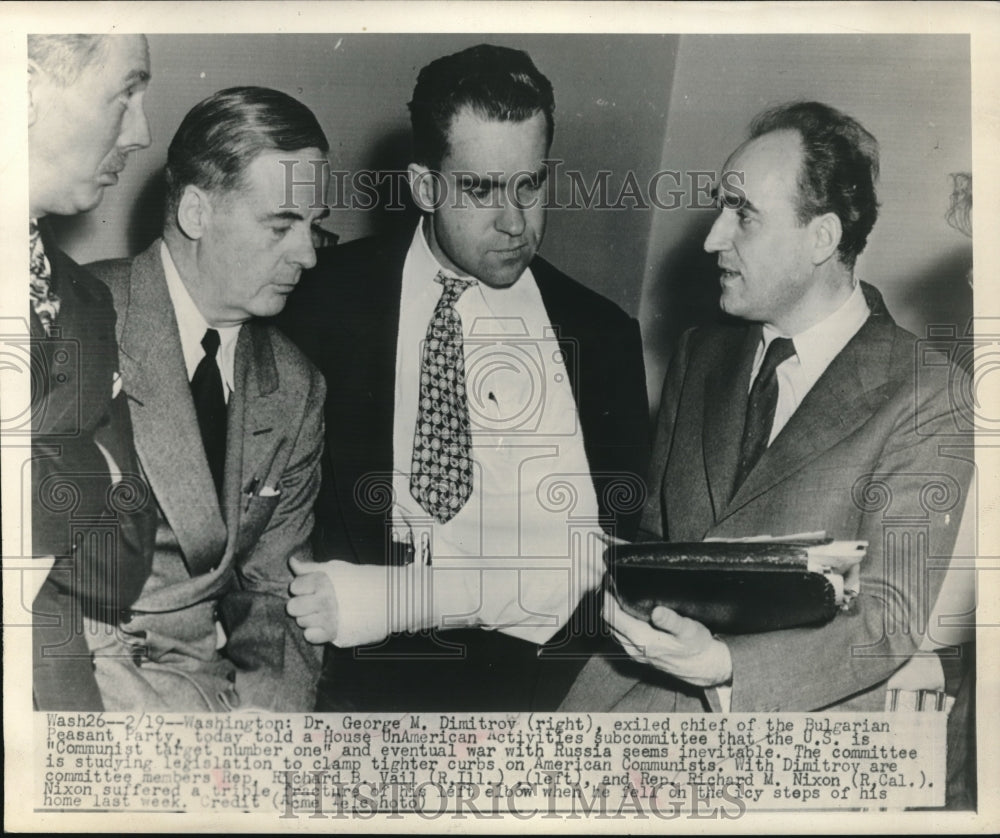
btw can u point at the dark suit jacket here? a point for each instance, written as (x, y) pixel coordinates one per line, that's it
(102, 538)
(345, 317)
(274, 442)
(874, 452)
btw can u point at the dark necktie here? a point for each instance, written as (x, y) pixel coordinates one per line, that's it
(760, 408)
(441, 471)
(210, 406)
(44, 301)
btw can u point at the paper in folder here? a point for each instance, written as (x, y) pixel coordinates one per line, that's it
(740, 586)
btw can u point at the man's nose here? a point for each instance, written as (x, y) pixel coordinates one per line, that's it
(721, 235)
(304, 253)
(135, 128)
(511, 218)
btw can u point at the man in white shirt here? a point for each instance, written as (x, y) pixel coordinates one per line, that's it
(811, 410)
(227, 414)
(483, 407)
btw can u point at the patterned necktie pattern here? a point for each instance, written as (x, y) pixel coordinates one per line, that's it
(44, 301)
(441, 470)
(761, 406)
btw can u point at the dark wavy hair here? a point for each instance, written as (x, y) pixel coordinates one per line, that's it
(496, 83)
(839, 168)
(221, 135)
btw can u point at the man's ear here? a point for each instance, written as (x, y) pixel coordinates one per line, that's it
(425, 187)
(194, 211)
(826, 231)
(35, 77)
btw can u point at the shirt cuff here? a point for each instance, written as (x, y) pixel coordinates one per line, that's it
(725, 695)
(374, 601)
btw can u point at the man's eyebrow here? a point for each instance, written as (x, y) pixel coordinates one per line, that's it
(732, 200)
(469, 180)
(140, 76)
(292, 215)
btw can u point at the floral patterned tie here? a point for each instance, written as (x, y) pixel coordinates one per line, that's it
(441, 471)
(43, 300)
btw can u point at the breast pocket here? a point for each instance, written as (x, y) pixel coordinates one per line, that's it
(255, 515)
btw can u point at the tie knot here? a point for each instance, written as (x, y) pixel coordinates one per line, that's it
(778, 351)
(454, 287)
(210, 343)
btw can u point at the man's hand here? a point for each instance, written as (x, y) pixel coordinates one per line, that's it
(314, 601)
(674, 644)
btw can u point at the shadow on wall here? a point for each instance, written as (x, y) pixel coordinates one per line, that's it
(683, 292)
(941, 294)
(394, 211)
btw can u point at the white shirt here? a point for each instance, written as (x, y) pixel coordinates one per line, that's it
(525, 547)
(193, 325)
(815, 348)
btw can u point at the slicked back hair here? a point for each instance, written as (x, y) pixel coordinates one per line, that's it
(222, 135)
(495, 83)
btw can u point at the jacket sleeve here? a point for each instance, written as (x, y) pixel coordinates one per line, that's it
(277, 668)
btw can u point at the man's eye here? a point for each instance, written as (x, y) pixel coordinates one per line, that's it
(280, 231)
(744, 218)
(482, 192)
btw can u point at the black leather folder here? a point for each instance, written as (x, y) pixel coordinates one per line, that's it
(731, 587)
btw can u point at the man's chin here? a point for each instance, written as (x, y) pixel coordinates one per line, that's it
(503, 276)
(276, 301)
(86, 201)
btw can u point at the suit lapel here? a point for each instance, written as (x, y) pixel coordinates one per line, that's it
(166, 428)
(255, 429)
(564, 319)
(726, 389)
(838, 403)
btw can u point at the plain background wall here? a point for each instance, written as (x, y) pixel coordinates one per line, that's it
(623, 103)
(911, 91)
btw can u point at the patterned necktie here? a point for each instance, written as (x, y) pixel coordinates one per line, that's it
(210, 407)
(761, 406)
(441, 471)
(43, 300)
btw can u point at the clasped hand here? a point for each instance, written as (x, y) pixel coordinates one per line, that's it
(671, 643)
(313, 603)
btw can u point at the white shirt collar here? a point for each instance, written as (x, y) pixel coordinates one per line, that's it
(423, 263)
(822, 342)
(192, 326)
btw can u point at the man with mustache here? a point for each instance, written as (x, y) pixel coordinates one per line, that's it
(810, 410)
(227, 415)
(485, 403)
(90, 509)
